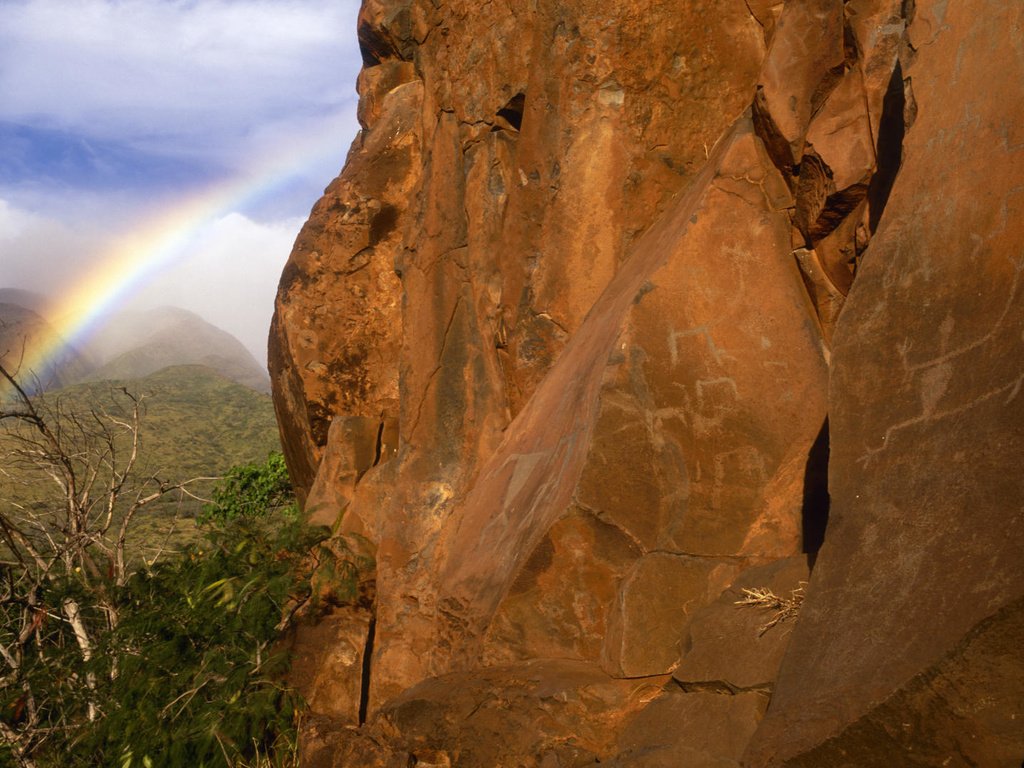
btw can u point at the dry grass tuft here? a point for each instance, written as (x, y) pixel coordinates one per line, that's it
(785, 608)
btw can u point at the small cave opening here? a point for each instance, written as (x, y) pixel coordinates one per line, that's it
(816, 500)
(512, 112)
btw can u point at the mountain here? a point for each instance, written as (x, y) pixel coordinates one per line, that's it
(23, 330)
(128, 345)
(27, 299)
(136, 344)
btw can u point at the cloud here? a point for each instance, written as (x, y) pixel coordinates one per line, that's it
(40, 251)
(115, 113)
(229, 277)
(174, 77)
(228, 274)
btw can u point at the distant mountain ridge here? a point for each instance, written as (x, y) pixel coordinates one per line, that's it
(26, 299)
(129, 345)
(136, 344)
(22, 330)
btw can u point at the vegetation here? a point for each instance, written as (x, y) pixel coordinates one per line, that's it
(253, 490)
(783, 608)
(198, 678)
(169, 659)
(193, 423)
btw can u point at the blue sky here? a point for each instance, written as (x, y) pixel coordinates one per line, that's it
(113, 111)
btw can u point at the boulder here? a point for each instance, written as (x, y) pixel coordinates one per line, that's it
(922, 560)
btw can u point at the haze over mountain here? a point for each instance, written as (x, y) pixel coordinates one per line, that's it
(129, 345)
(27, 299)
(23, 329)
(136, 344)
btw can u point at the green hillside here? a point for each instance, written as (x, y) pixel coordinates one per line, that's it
(195, 423)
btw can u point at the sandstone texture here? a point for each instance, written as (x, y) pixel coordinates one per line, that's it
(667, 357)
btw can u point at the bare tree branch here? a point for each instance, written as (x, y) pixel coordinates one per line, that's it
(61, 565)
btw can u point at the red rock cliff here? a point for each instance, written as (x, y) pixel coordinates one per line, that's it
(607, 302)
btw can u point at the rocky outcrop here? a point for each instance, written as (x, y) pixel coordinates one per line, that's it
(922, 562)
(604, 304)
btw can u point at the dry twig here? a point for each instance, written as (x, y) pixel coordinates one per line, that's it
(784, 608)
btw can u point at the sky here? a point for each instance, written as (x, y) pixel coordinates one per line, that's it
(158, 152)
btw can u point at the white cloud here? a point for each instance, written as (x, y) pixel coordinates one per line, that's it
(229, 277)
(39, 252)
(228, 274)
(262, 89)
(189, 77)
(13, 222)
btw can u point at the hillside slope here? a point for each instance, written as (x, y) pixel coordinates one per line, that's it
(23, 330)
(135, 344)
(195, 423)
(127, 345)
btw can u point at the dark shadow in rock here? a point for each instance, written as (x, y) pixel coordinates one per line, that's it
(513, 111)
(891, 130)
(364, 686)
(816, 499)
(383, 223)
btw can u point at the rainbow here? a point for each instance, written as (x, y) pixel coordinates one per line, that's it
(139, 256)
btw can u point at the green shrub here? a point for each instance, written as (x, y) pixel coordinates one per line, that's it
(184, 663)
(199, 669)
(253, 490)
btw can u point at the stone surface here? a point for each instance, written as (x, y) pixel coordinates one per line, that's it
(656, 598)
(335, 335)
(965, 710)
(696, 730)
(327, 663)
(606, 302)
(926, 534)
(541, 714)
(561, 603)
(722, 447)
(728, 646)
(805, 59)
(355, 445)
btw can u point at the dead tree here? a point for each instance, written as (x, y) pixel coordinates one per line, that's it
(70, 489)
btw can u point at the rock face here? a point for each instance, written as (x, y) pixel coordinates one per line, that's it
(563, 345)
(923, 559)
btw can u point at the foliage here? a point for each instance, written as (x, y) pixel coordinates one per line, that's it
(195, 424)
(252, 490)
(114, 660)
(62, 563)
(190, 675)
(198, 673)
